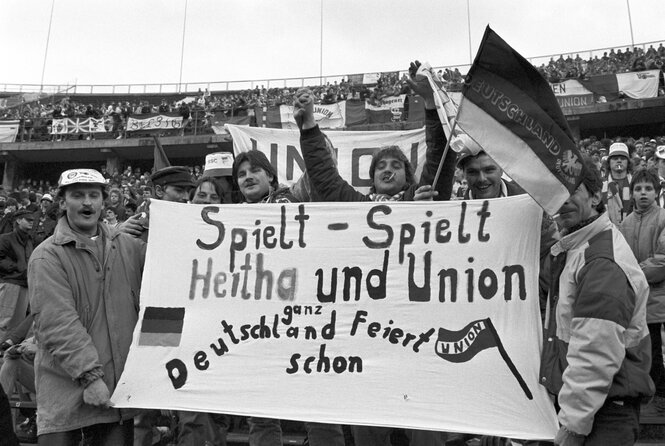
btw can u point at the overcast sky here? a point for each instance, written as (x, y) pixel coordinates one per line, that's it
(140, 41)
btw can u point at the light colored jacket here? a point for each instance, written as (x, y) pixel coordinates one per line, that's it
(645, 233)
(597, 344)
(85, 310)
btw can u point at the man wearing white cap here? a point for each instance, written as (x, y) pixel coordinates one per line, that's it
(616, 188)
(44, 223)
(84, 287)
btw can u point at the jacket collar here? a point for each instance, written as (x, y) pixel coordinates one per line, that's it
(64, 234)
(582, 235)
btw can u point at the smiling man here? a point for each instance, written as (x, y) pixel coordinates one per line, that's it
(596, 354)
(84, 288)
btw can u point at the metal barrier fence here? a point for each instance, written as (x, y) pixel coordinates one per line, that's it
(193, 87)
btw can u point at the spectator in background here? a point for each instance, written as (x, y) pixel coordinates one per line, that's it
(644, 231)
(616, 189)
(15, 251)
(45, 219)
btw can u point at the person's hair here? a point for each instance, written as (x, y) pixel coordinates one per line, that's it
(644, 176)
(215, 184)
(112, 209)
(255, 158)
(115, 190)
(11, 202)
(392, 152)
(593, 181)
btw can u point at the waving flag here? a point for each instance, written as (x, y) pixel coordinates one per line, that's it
(509, 109)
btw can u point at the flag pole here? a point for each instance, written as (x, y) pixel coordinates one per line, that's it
(507, 360)
(443, 157)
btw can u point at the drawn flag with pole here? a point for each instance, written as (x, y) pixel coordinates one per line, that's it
(463, 345)
(446, 108)
(509, 109)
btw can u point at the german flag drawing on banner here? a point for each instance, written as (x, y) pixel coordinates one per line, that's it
(509, 109)
(162, 327)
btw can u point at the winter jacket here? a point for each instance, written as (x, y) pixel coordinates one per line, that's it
(597, 344)
(85, 310)
(330, 186)
(15, 250)
(645, 233)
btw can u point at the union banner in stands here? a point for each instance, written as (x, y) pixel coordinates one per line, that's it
(9, 130)
(328, 116)
(354, 150)
(66, 126)
(349, 313)
(571, 93)
(154, 121)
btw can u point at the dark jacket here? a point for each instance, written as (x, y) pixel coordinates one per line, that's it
(332, 187)
(15, 250)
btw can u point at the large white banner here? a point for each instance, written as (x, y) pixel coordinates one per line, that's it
(640, 84)
(327, 116)
(354, 150)
(420, 315)
(9, 130)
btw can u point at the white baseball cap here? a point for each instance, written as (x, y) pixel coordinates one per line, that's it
(660, 152)
(219, 164)
(618, 149)
(47, 197)
(81, 176)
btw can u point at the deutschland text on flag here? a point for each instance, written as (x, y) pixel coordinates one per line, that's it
(162, 326)
(509, 109)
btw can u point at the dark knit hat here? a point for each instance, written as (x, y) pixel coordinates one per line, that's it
(172, 176)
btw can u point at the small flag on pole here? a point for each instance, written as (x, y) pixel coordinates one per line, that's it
(509, 109)
(446, 108)
(162, 327)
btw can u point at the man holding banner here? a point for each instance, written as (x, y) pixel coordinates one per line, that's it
(596, 356)
(258, 183)
(392, 180)
(84, 285)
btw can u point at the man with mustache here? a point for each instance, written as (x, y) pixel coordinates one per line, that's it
(84, 286)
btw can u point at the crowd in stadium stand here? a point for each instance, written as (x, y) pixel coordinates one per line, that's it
(609, 63)
(199, 111)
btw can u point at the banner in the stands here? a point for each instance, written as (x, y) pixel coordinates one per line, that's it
(154, 121)
(66, 126)
(420, 315)
(9, 130)
(328, 116)
(354, 150)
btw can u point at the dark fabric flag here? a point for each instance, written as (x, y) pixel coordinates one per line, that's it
(161, 160)
(509, 109)
(162, 327)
